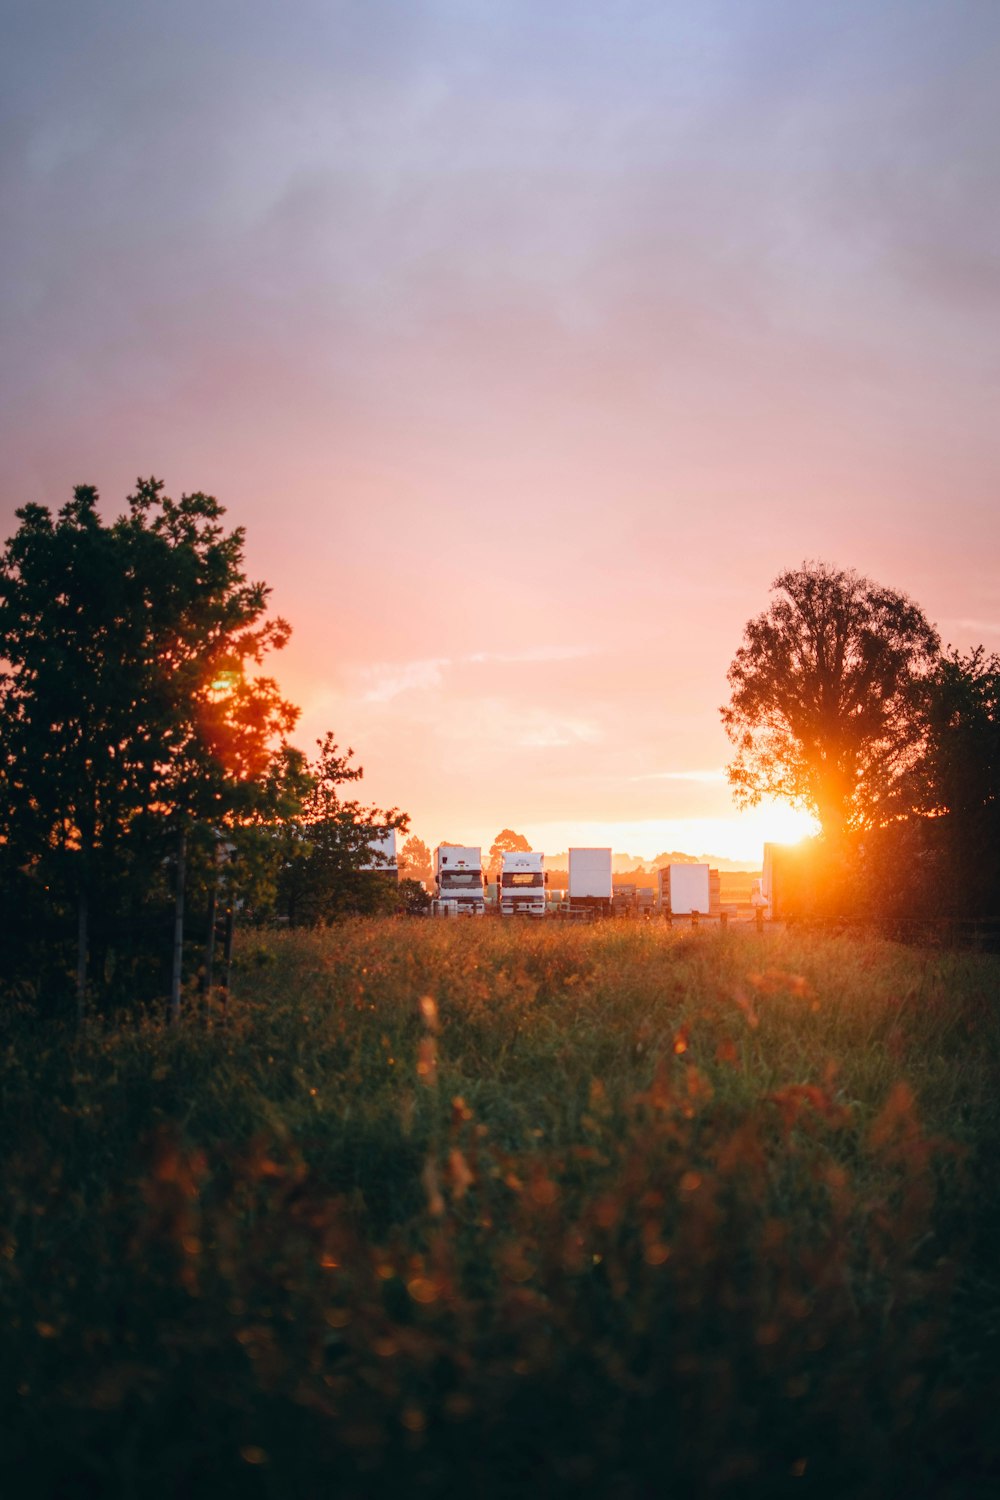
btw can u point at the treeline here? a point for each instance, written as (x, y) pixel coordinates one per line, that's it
(148, 787)
(845, 703)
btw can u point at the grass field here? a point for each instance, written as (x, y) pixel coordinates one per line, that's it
(492, 1209)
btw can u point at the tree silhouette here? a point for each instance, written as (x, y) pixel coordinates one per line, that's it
(506, 842)
(826, 699)
(326, 848)
(129, 710)
(960, 778)
(415, 860)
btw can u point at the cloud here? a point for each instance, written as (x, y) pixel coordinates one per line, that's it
(387, 680)
(976, 627)
(540, 731)
(528, 655)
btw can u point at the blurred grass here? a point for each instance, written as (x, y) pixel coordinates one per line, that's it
(494, 1207)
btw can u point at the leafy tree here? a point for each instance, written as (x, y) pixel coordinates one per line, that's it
(415, 860)
(129, 710)
(828, 689)
(961, 770)
(239, 867)
(326, 850)
(959, 781)
(506, 842)
(413, 899)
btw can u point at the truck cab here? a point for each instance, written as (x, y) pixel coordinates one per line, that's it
(459, 880)
(523, 879)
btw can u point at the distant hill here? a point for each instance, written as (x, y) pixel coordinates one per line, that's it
(717, 861)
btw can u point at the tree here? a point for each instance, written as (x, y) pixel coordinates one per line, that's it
(959, 780)
(326, 852)
(412, 899)
(129, 711)
(506, 842)
(415, 861)
(827, 695)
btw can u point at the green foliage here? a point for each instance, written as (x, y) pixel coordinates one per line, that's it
(827, 691)
(446, 1207)
(137, 739)
(326, 849)
(944, 860)
(960, 779)
(843, 703)
(128, 710)
(412, 897)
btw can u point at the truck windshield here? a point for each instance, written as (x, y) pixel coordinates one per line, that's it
(462, 877)
(522, 877)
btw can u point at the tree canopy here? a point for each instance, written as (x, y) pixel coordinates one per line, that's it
(127, 648)
(828, 689)
(415, 860)
(506, 842)
(143, 751)
(326, 850)
(958, 780)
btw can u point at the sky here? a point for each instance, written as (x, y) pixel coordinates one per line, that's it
(529, 342)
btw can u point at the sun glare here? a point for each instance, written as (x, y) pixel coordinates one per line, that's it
(740, 837)
(781, 824)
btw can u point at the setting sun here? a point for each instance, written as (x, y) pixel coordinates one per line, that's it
(777, 823)
(739, 837)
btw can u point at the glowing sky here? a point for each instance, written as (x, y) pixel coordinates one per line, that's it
(529, 341)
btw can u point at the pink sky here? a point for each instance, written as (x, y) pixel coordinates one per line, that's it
(528, 344)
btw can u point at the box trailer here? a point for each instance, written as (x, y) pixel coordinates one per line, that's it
(685, 889)
(590, 880)
(382, 845)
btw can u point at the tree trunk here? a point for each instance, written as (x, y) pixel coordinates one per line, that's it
(178, 966)
(82, 924)
(209, 964)
(227, 951)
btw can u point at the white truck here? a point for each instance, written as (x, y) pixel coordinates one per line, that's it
(522, 884)
(382, 844)
(686, 889)
(778, 878)
(590, 882)
(459, 880)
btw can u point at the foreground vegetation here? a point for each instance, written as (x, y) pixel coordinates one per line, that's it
(482, 1207)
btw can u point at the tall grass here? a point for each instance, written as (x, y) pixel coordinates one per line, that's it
(488, 1207)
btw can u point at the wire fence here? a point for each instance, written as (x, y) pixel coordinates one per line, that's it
(981, 934)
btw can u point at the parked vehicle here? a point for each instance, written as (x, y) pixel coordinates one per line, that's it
(459, 880)
(632, 900)
(788, 879)
(685, 889)
(590, 881)
(522, 884)
(382, 843)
